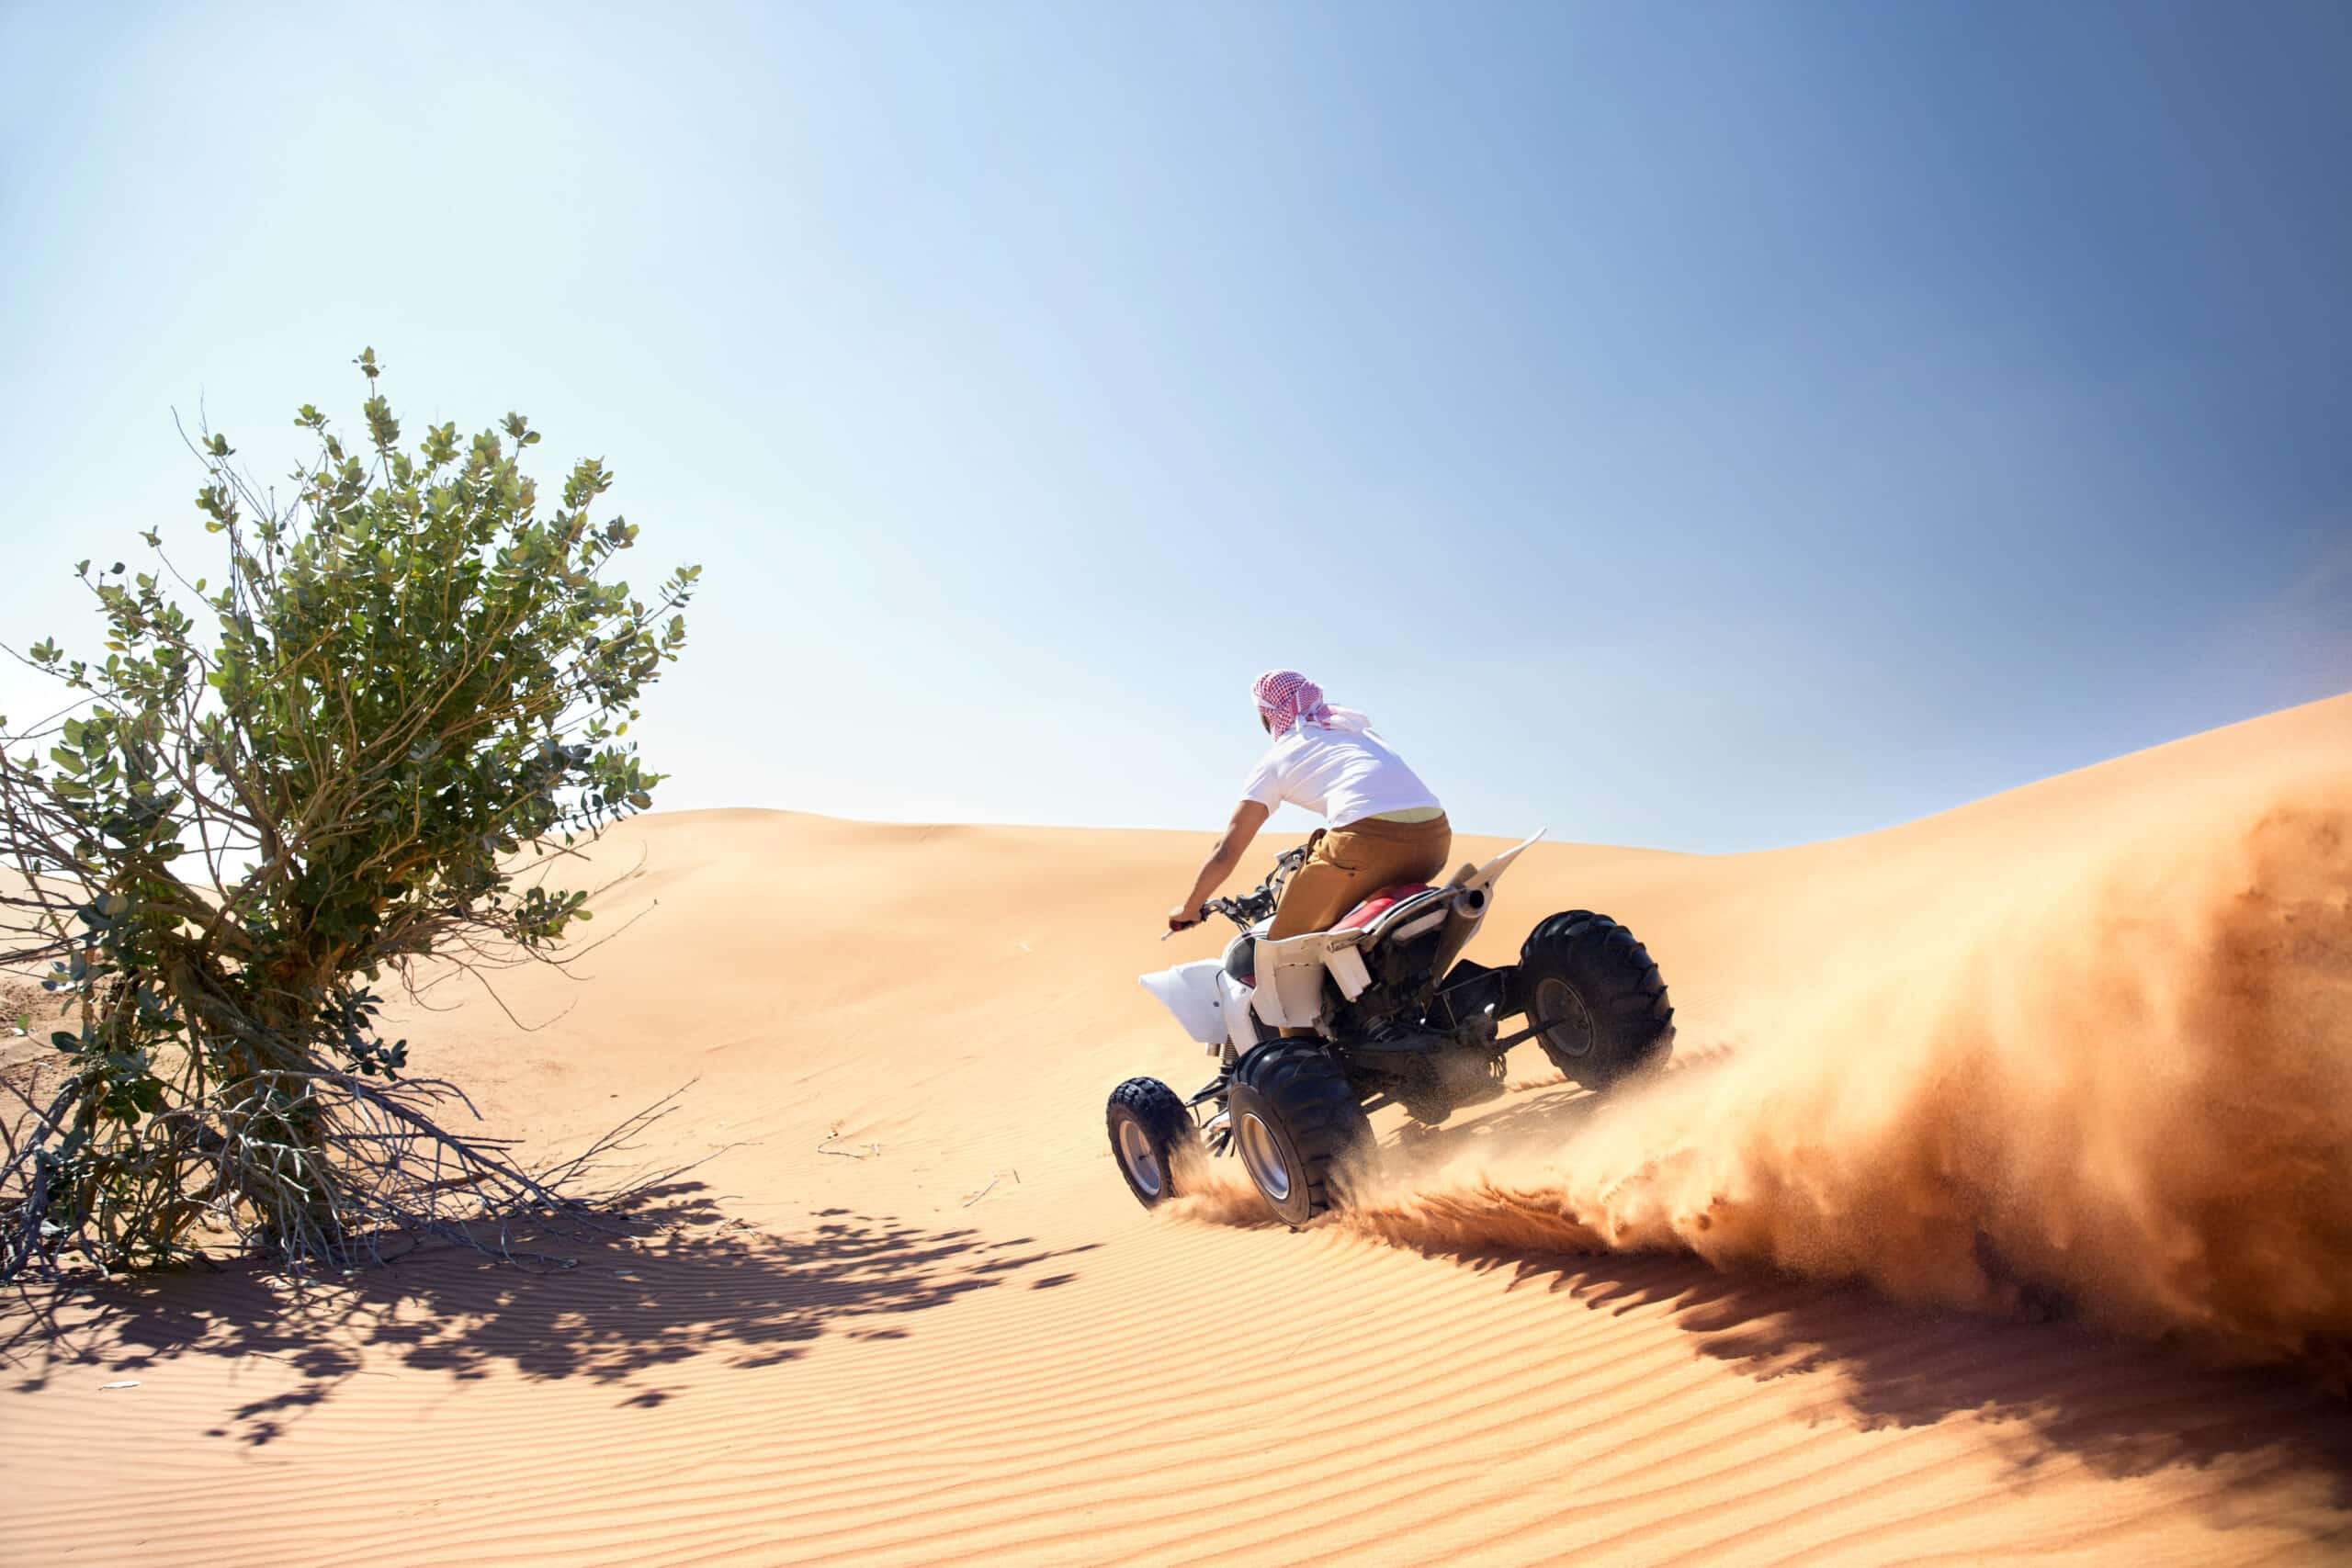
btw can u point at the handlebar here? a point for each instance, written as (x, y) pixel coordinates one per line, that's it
(1250, 908)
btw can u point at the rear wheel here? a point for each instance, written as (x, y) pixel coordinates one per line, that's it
(1150, 1133)
(1596, 997)
(1296, 1123)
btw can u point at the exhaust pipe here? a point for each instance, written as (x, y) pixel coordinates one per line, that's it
(1469, 909)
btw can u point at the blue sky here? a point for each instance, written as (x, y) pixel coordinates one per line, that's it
(1713, 427)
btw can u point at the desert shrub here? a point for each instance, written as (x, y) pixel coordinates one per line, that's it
(400, 710)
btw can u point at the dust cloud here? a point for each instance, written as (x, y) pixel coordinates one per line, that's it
(2112, 1073)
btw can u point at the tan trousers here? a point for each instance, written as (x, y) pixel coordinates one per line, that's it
(1350, 865)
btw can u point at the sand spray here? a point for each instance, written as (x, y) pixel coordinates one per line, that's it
(2118, 1077)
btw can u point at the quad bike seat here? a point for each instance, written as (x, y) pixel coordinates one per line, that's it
(1391, 906)
(1380, 903)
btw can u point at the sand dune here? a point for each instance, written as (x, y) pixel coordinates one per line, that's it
(1998, 1204)
(2113, 1072)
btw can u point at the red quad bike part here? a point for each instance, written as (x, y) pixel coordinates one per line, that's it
(1380, 903)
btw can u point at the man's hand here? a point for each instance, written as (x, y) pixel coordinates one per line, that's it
(1247, 817)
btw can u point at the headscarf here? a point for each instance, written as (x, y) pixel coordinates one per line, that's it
(1287, 699)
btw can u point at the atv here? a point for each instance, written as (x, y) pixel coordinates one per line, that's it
(1313, 1032)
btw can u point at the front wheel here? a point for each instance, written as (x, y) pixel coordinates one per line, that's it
(1150, 1133)
(1296, 1123)
(1597, 997)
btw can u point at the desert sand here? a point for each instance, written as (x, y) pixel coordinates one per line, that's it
(1998, 1204)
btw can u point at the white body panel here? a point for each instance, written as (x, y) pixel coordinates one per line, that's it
(1347, 968)
(1240, 1030)
(1191, 992)
(1483, 877)
(1290, 975)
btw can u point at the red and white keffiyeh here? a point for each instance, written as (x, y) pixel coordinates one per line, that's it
(1285, 697)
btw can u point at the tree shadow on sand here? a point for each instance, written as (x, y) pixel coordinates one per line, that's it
(675, 1279)
(2052, 1390)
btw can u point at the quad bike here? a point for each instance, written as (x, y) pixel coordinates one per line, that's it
(1398, 1017)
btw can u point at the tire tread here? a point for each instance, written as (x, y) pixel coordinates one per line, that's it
(1163, 1116)
(1620, 984)
(1310, 1095)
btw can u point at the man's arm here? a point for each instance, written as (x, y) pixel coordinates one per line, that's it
(1231, 845)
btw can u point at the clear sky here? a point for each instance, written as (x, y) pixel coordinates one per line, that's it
(1709, 426)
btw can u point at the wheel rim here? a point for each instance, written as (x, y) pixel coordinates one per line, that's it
(1568, 1023)
(1263, 1155)
(1140, 1159)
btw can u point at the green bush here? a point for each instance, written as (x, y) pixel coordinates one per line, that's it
(410, 687)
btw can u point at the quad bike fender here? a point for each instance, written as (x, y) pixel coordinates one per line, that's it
(1240, 1028)
(1191, 991)
(1290, 975)
(1482, 878)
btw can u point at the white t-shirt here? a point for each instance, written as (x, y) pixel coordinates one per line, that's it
(1345, 773)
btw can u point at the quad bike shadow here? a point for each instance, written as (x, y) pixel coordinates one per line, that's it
(1379, 1010)
(1546, 1115)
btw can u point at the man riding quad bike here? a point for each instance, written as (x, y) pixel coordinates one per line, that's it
(1345, 990)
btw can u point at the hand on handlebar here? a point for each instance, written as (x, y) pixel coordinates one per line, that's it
(1241, 911)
